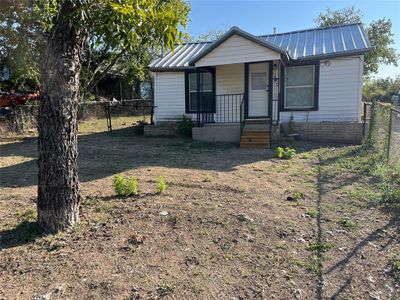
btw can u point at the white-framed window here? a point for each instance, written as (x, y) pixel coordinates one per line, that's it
(300, 87)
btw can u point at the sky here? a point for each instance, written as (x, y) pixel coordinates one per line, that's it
(260, 17)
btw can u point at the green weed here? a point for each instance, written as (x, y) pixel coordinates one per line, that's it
(161, 184)
(285, 153)
(320, 247)
(125, 186)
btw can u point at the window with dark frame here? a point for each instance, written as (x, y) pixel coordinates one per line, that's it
(200, 84)
(301, 87)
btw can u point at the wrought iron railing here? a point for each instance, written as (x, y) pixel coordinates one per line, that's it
(228, 109)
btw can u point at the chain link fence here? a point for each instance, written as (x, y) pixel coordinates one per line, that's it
(92, 116)
(382, 129)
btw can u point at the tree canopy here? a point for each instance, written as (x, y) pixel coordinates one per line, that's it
(379, 34)
(125, 31)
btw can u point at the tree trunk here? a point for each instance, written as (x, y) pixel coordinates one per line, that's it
(58, 184)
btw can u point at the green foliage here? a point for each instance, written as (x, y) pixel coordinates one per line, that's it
(379, 34)
(395, 268)
(312, 213)
(208, 36)
(161, 184)
(185, 126)
(285, 153)
(320, 247)
(381, 89)
(126, 32)
(125, 186)
(384, 187)
(347, 223)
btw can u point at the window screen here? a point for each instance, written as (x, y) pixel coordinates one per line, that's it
(299, 87)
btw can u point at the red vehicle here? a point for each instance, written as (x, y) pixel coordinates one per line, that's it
(17, 99)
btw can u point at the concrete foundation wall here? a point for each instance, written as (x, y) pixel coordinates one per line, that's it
(217, 133)
(164, 129)
(336, 132)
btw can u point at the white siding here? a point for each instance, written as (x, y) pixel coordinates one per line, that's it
(235, 50)
(169, 96)
(229, 79)
(339, 92)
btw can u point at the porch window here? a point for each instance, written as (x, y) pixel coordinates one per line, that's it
(200, 87)
(301, 91)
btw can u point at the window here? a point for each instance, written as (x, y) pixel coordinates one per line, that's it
(200, 86)
(259, 81)
(301, 90)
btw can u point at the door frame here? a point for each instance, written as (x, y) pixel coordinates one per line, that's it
(246, 88)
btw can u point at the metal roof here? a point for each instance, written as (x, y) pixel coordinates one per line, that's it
(316, 43)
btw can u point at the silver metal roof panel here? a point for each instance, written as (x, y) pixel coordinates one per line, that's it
(316, 43)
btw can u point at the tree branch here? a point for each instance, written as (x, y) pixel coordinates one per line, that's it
(98, 76)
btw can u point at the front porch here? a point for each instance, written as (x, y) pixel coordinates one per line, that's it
(243, 104)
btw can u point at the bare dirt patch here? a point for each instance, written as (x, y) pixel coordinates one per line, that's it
(223, 228)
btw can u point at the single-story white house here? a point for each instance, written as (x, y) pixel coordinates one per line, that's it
(249, 88)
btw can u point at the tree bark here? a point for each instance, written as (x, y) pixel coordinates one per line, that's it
(58, 184)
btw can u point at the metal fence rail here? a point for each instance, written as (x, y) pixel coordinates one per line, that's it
(381, 129)
(101, 114)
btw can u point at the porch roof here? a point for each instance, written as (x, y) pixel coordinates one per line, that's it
(309, 44)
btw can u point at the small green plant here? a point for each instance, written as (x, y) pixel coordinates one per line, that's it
(318, 247)
(208, 178)
(282, 245)
(285, 153)
(161, 184)
(313, 264)
(28, 215)
(165, 289)
(347, 223)
(395, 268)
(125, 186)
(185, 126)
(312, 213)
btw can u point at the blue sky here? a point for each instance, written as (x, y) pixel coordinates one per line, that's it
(259, 17)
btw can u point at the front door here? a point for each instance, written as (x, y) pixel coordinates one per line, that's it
(258, 90)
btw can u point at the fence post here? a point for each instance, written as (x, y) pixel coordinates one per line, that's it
(108, 110)
(390, 133)
(364, 120)
(152, 115)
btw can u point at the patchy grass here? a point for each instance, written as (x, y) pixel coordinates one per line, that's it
(225, 215)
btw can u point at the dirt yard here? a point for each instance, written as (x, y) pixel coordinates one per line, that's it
(223, 229)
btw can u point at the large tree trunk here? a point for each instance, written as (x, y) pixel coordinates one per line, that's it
(58, 184)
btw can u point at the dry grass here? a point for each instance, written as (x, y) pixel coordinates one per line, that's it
(230, 232)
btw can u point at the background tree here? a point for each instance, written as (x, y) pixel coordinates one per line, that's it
(208, 36)
(379, 34)
(68, 31)
(382, 89)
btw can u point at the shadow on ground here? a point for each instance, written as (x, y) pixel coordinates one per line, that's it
(105, 154)
(24, 233)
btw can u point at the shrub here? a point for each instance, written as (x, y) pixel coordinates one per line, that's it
(125, 186)
(285, 153)
(161, 184)
(185, 126)
(139, 127)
